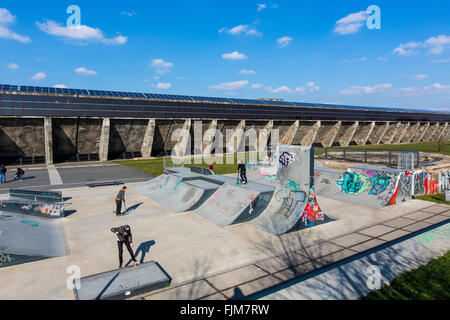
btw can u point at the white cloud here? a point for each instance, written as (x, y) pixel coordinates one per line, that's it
(247, 72)
(85, 72)
(282, 89)
(60, 86)
(256, 86)
(283, 42)
(242, 29)
(355, 60)
(435, 45)
(261, 7)
(164, 86)
(161, 66)
(128, 13)
(230, 86)
(351, 23)
(39, 76)
(7, 18)
(379, 88)
(234, 56)
(433, 89)
(382, 59)
(300, 90)
(420, 76)
(13, 66)
(312, 87)
(81, 33)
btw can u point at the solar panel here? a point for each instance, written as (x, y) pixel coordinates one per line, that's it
(72, 91)
(53, 90)
(85, 92)
(14, 88)
(59, 90)
(66, 91)
(45, 90)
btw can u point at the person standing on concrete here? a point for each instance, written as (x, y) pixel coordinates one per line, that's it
(19, 174)
(243, 172)
(120, 197)
(124, 236)
(3, 171)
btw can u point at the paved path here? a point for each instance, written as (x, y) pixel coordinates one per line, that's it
(72, 175)
(271, 274)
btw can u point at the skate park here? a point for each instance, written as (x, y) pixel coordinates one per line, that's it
(198, 243)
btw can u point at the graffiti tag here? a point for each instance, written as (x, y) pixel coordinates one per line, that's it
(286, 158)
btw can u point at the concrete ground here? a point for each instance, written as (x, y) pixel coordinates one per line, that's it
(204, 260)
(68, 175)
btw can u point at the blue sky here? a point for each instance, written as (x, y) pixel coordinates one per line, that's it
(307, 51)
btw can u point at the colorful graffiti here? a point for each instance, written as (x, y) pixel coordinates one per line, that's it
(286, 158)
(53, 210)
(293, 186)
(354, 183)
(312, 214)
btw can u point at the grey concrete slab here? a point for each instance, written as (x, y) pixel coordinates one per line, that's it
(435, 209)
(376, 231)
(25, 238)
(283, 262)
(215, 297)
(297, 271)
(122, 284)
(394, 235)
(417, 226)
(249, 288)
(191, 291)
(436, 219)
(367, 245)
(350, 240)
(233, 278)
(399, 222)
(335, 257)
(446, 213)
(320, 250)
(418, 216)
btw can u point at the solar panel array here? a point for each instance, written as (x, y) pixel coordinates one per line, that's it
(119, 94)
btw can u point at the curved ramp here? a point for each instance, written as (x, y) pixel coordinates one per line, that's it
(293, 205)
(231, 204)
(171, 192)
(27, 238)
(373, 187)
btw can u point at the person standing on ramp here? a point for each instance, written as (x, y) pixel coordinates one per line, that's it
(120, 197)
(124, 236)
(243, 172)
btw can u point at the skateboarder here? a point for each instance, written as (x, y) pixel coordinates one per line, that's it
(120, 197)
(124, 236)
(243, 172)
(19, 174)
(3, 171)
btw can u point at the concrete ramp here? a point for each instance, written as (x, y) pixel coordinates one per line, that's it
(25, 238)
(293, 205)
(171, 192)
(122, 284)
(231, 204)
(373, 187)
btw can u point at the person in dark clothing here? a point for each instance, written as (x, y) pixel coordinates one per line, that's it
(243, 172)
(124, 236)
(3, 171)
(19, 174)
(120, 197)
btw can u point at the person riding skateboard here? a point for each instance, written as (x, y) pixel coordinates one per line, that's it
(243, 172)
(124, 236)
(120, 197)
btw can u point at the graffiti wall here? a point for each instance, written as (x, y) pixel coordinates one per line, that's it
(31, 208)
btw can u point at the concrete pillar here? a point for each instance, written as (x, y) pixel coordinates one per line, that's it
(208, 138)
(363, 133)
(431, 133)
(147, 144)
(391, 133)
(442, 133)
(348, 135)
(183, 140)
(411, 133)
(378, 133)
(234, 143)
(48, 136)
(369, 133)
(329, 138)
(104, 140)
(424, 132)
(290, 134)
(263, 138)
(310, 137)
(401, 132)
